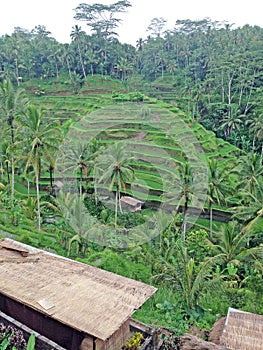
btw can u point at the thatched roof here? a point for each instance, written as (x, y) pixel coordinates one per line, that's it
(58, 184)
(83, 297)
(242, 331)
(131, 201)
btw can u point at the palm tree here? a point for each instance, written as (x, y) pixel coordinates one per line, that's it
(12, 104)
(117, 169)
(232, 122)
(78, 158)
(124, 66)
(185, 182)
(43, 141)
(255, 127)
(251, 209)
(73, 209)
(185, 276)
(5, 159)
(232, 245)
(92, 59)
(77, 36)
(218, 188)
(68, 57)
(250, 168)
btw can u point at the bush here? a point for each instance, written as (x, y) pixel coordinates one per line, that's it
(134, 342)
(11, 338)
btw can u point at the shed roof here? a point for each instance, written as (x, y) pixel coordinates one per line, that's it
(83, 297)
(242, 331)
(130, 200)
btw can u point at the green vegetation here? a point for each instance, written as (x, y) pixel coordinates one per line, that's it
(176, 123)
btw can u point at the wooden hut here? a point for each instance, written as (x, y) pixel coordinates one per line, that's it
(131, 204)
(242, 331)
(75, 305)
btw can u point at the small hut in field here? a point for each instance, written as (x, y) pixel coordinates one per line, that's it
(131, 204)
(242, 331)
(73, 304)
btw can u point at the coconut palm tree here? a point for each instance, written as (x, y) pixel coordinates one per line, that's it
(232, 123)
(251, 208)
(218, 188)
(185, 181)
(185, 276)
(232, 245)
(116, 165)
(186, 188)
(78, 158)
(77, 35)
(12, 104)
(76, 215)
(256, 129)
(43, 139)
(250, 168)
(124, 66)
(5, 159)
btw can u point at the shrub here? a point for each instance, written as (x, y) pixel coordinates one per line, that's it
(11, 338)
(134, 342)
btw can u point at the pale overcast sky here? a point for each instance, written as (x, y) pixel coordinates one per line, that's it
(57, 15)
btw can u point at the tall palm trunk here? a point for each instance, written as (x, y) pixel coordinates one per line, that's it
(38, 202)
(7, 171)
(80, 182)
(81, 62)
(2, 172)
(12, 179)
(119, 200)
(69, 70)
(11, 123)
(51, 176)
(116, 208)
(211, 221)
(28, 188)
(185, 214)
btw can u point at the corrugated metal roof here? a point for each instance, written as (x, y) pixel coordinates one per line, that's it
(83, 297)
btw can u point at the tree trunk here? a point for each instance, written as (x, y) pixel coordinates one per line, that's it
(81, 62)
(116, 207)
(12, 179)
(69, 70)
(2, 172)
(185, 214)
(7, 170)
(51, 176)
(119, 199)
(80, 185)
(211, 221)
(38, 203)
(28, 188)
(57, 71)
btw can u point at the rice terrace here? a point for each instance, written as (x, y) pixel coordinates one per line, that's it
(131, 190)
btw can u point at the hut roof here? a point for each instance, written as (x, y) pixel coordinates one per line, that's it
(58, 184)
(242, 330)
(130, 200)
(83, 297)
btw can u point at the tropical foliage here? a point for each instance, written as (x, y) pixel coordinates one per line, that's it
(203, 72)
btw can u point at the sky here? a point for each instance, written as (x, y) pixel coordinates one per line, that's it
(57, 15)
